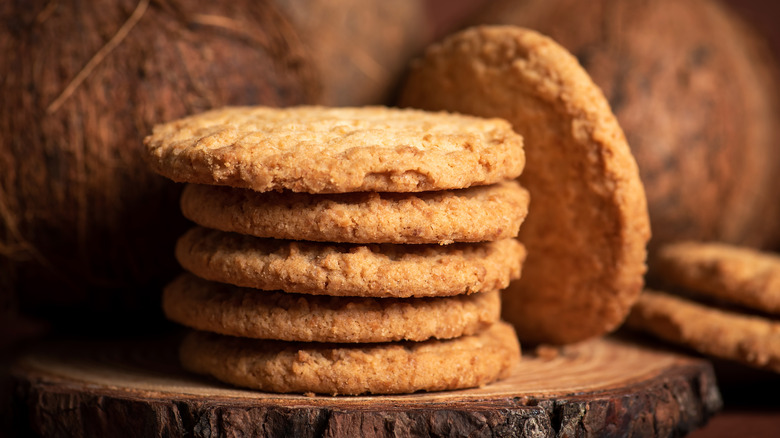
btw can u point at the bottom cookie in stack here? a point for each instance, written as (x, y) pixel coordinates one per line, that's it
(726, 302)
(380, 368)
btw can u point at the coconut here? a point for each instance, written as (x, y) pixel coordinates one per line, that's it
(696, 93)
(87, 231)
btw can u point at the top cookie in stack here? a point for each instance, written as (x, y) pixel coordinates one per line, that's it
(345, 250)
(336, 150)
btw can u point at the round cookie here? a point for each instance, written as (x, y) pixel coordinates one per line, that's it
(391, 368)
(475, 214)
(749, 339)
(588, 228)
(350, 270)
(334, 150)
(737, 275)
(252, 313)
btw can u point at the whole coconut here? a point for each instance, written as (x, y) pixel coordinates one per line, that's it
(86, 230)
(697, 96)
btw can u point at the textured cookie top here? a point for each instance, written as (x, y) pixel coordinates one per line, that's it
(749, 339)
(252, 313)
(334, 150)
(733, 274)
(588, 227)
(349, 269)
(475, 214)
(387, 368)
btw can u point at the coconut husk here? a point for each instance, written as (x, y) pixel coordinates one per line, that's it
(87, 231)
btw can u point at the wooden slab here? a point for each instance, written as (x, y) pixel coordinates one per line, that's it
(610, 386)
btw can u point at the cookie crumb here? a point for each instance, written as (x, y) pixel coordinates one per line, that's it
(547, 352)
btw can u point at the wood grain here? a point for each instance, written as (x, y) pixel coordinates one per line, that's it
(136, 388)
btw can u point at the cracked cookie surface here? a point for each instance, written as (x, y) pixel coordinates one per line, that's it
(334, 150)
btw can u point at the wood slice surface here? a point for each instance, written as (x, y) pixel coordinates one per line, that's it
(610, 386)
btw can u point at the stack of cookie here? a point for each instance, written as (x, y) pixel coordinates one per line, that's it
(724, 301)
(345, 251)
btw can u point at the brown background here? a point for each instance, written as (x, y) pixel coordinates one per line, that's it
(752, 409)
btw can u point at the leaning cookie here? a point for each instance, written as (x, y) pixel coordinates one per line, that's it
(252, 313)
(319, 268)
(751, 340)
(334, 150)
(390, 368)
(474, 214)
(736, 275)
(588, 227)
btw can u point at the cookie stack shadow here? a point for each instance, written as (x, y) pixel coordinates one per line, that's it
(360, 292)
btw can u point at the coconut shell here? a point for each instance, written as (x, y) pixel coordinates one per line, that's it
(696, 93)
(360, 48)
(87, 230)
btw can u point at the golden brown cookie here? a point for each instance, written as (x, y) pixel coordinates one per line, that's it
(389, 368)
(335, 150)
(752, 340)
(737, 275)
(474, 214)
(349, 269)
(252, 313)
(588, 227)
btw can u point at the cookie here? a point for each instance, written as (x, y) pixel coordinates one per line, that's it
(335, 150)
(389, 368)
(749, 339)
(474, 214)
(736, 275)
(588, 228)
(349, 269)
(252, 313)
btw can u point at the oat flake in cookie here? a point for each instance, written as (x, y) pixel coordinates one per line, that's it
(334, 150)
